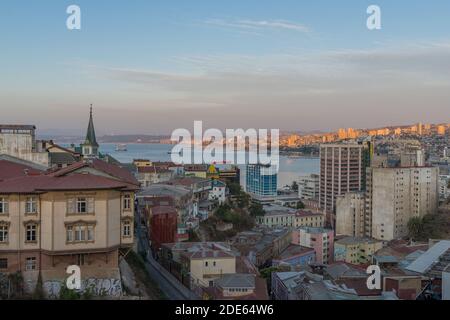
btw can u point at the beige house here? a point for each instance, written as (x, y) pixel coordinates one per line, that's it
(356, 250)
(296, 219)
(80, 215)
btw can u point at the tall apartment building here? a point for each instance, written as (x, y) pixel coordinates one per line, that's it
(261, 180)
(350, 214)
(395, 195)
(342, 168)
(308, 187)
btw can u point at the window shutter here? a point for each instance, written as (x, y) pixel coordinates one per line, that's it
(91, 205)
(71, 205)
(5, 207)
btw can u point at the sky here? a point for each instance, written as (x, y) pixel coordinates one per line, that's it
(152, 66)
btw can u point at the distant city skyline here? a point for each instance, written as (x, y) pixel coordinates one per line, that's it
(151, 67)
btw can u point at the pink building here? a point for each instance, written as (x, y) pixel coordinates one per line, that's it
(320, 239)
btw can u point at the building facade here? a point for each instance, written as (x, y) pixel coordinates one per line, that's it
(50, 221)
(395, 196)
(342, 170)
(319, 239)
(301, 218)
(20, 141)
(261, 180)
(350, 214)
(356, 250)
(309, 187)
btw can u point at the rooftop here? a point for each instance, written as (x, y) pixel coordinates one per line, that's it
(356, 240)
(10, 169)
(237, 280)
(294, 250)
(45, 183)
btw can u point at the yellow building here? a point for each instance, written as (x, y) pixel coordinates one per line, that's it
(284, 218)
(142, 163)
(204, 262)
(356, 250)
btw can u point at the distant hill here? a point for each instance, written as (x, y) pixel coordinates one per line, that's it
(134, 138)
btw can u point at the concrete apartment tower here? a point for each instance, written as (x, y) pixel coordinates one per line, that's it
(342, 170)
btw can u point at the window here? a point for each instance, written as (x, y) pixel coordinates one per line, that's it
(81, 205)
(81, 259)
(90, 233)
(31, 232)
(69, 234)
(3, 205)
(30, 264)
(127, 202)
(3, 263)
(80, 233)
(3, 233)
(126, 231)
(31, 205)
(206, 263)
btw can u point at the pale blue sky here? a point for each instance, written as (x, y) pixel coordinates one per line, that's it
(152, 66)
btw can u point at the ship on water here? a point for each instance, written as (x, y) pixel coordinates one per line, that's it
(121, 147)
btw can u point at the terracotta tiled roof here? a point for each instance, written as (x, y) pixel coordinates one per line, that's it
(10, 170)
(152, 169)
(44, 183)
(304, 213)
(110, 169)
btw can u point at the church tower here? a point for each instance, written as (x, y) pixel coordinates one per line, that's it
(90, 146)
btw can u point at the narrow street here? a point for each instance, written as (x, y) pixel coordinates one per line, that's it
(168, 284)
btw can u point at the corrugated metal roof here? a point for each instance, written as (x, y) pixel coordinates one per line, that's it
(426, 260)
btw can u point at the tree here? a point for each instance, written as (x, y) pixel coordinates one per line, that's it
(243, 200)
(300, 205)
(256, 210)
(415, 228)
(235, 188)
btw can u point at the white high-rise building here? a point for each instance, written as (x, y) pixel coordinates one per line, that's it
(308, 187)
(395, 195)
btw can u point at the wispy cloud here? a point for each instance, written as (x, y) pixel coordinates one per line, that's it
(298, 90)
(259, 25)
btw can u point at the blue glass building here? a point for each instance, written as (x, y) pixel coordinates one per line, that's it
(261, 180)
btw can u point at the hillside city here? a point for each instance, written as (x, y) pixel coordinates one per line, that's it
(152, 229)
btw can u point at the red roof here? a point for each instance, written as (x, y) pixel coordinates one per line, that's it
(108, 168)
(9, 169)
(151, 169)
(303, 213)
(43, 183)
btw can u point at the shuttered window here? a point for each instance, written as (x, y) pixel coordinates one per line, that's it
(81, 205)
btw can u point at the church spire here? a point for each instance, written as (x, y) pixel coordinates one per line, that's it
(90, 145)
(90, 135)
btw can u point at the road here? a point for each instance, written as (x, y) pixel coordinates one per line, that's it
(168, 284)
